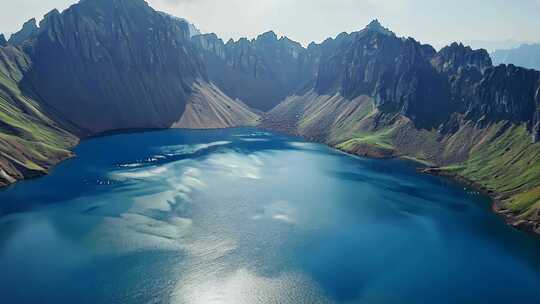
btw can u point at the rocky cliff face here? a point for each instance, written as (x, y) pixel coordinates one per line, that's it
(396, 72)
(406, 77)
(452, 58)
(28, 31)
(192, 29)
(260, 72)
(488, 94)
(505, 93)
(536, 118)
(113, 64)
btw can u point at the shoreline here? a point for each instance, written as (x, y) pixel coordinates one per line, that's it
(496, 198)
(6, 183)
(37, 174)
(427, 168)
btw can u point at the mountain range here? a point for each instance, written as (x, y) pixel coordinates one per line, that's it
(525, 55)
(108, 65)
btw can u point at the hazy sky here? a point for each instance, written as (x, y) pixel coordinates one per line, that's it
(432, 21)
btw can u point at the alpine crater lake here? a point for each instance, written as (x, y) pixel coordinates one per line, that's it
(247, 216)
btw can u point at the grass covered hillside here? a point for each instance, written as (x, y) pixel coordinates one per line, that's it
(30, 141)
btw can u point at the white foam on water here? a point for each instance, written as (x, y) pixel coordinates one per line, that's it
(139, 173)
(255, 139)
(237, 165)
(281, 211)
(190, 149)
(301, 145)
(283, 218)
(255, 134)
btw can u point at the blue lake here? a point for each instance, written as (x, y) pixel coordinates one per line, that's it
(244, 216)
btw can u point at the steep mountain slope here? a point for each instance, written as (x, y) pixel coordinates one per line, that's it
(209, 108)
(30, 141)
(28, 30)
(3, 41)
(260, 72)
(192, 29)
(116, 64)
(526, 55)
(384, 96)
(101, 65)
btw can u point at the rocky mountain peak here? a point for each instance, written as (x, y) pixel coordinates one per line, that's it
(455, 56)
(376, 26)
(29, 30)
(115, 3)
(193, 30)
(3, 41)
(269, 36)
(48, 19)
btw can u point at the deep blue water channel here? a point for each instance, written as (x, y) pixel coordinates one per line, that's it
(244, 216)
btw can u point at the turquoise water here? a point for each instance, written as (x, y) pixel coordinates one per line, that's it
(245, 216)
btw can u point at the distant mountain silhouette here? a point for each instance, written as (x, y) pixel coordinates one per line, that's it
(526, 55)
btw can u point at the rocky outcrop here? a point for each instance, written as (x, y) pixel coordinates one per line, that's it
(396, 72)
(454, 57)
(504, 93)
(536, 117)
(376, 26)
(3, 41)
(260, 72)
(113, 64)
(192, 29)
(487, 94)
(412, 79)
(28, 31)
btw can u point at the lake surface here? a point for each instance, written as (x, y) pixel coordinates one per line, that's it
(244, 216)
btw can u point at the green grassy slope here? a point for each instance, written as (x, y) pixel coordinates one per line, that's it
(508, 163)
(30, 142)
(501, 158)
